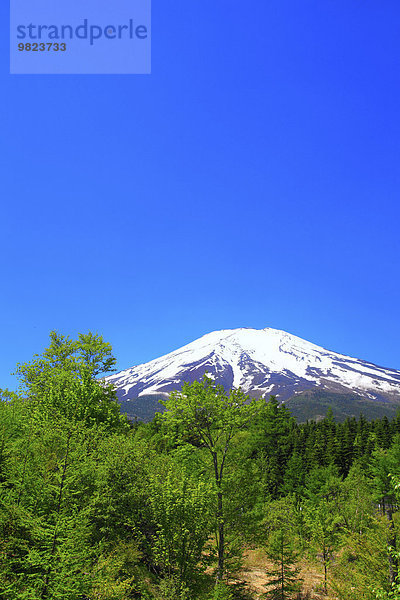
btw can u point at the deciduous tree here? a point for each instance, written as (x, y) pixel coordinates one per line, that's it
(206, 416)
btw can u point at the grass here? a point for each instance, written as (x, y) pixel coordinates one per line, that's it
(253, 581)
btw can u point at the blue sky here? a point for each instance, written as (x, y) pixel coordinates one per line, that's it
(251, 180)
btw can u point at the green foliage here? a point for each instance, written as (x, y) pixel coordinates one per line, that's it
(180, 508)
(222, 591)
(88, 353)
(171, 588)
(49, 441)
(61, 382)
(279, 537)
(116, 574)
(361, 565)
(269, 445)
(394, 592)
(95, 508)
(204, 416)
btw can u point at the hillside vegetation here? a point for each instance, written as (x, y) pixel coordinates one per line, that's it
(217, 498)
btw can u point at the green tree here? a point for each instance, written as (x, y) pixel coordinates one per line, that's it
(48, 466)
(361, 565)
(205, 416)
(181, 513)
(47, 381)
(321, 513)
(281, 546)
(270, 445)
(385, 465)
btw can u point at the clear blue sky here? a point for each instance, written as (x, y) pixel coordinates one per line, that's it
(251, 180)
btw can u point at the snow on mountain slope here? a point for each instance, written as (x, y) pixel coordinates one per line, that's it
(261, 362)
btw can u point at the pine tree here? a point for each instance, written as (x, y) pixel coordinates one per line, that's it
(279, 531)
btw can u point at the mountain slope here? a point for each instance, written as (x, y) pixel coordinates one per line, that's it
(261, 362)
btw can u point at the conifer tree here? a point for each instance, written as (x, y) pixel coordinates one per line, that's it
(282, 549)
(321, 513)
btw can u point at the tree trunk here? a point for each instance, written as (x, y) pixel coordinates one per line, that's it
(59, 502)
(282, 571)
(220, 518)
(325, 555)
(393, 566)
(221, 537)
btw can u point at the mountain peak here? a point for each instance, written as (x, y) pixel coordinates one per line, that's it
(261, 362)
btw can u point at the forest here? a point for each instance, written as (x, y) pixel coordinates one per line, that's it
(96, 507)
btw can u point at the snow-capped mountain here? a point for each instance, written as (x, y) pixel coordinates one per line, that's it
(261, 362)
